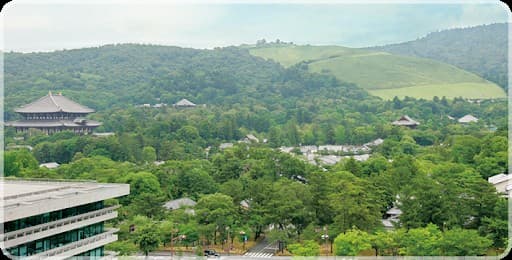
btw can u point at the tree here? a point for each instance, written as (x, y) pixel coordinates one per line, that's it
(149, 154)
(421, 241)
(351, 243)
(306, 248)
(146, 196)
(11, 165)
(147, 238)
(463, 242)
(217, 212)
(353, 203)
(384, 243)
(465, 148)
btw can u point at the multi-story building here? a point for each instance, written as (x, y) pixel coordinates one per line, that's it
(53, 114)
(56, 219)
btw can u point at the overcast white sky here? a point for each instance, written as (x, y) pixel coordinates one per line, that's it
(30, 25)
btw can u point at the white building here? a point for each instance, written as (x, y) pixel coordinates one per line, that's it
(56, 219)
(502, 183)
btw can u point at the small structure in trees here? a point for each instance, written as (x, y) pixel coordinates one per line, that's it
(405, 120)
(184, 103)
(50, 165)
(250, 139)
(468, 119)
(501, 182)
(179, 203)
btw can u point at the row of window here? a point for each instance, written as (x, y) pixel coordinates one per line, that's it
(94, 254)
(47, 243)
(52, 116)
(51, 216)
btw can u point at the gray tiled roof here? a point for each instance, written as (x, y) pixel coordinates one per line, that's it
(185, 103)
(405, 120)
(54, 103)
(178, 203)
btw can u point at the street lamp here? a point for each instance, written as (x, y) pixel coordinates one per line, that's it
(172, 240)
(325, 236)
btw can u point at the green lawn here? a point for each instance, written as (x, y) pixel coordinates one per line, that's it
(384, 74)
(467, 90)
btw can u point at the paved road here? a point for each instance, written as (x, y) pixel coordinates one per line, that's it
(264, 249)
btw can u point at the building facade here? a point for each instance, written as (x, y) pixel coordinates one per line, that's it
(54, 113)
(58, 220)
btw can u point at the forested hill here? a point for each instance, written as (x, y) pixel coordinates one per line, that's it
(481, 49)
(129, 74)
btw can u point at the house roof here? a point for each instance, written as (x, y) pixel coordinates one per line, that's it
(178, 203)
(252, 138)
(394, 211)
(498, 178)
(50, 165)
(468, 119)
(54, 103)
(225, 145)
(245, 204)
(405, 120)
(185, 103)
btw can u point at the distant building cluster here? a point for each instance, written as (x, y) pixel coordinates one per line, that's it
(328, 154)
(183, 103)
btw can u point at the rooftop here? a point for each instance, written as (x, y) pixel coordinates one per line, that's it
(178, 203)
(405, 121)
(185, 103)
(468, 119)
(54, 103)
(22, 198)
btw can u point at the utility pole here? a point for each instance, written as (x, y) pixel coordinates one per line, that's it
(172, 247)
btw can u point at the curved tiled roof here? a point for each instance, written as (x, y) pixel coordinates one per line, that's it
(406, 121)
(54, 103)
(185, 103)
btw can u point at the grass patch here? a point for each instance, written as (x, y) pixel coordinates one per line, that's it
(383, 74)
(467, 90)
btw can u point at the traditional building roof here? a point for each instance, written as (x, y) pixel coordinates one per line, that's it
(54, 103)
(468, 119)
(250, 138)
(50, 165)
(178, 203)
(184, 103)
(405, 121)
(223, 146)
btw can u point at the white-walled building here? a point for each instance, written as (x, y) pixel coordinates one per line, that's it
(502, 182)
(56, 219)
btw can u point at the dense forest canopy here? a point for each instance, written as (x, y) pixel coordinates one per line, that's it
(126, 75)
(481, 49)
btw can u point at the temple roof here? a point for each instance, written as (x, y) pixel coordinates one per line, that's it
(54, 103)
(185, 103)
(468, 119)
(405, 121)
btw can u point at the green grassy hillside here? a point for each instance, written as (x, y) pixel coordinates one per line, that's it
(384, 74)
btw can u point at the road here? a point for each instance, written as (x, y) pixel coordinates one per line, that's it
(264, 249)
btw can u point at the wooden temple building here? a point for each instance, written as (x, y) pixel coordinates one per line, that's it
(53, 114)
(406, 121)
